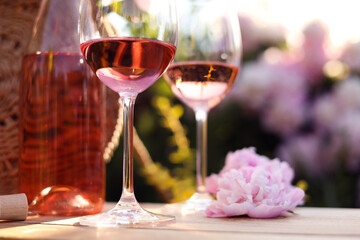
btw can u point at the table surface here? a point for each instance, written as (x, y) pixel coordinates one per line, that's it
(306, 223)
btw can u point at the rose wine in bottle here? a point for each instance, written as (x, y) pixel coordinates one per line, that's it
(61, 135)
(130, 64)
(62, 119)
(201, 84)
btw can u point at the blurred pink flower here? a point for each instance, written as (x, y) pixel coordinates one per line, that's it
(304, 148)
(347, 128)
(253, 89)
(314, 51)
(285, 109)
(278, 90)
(344, 98)
(347, 94)
(256, 33)
(249, 33)
(284, 116)
(253, 185)
(336, 135)
(313, 152)
(324, 111)
(351, 56)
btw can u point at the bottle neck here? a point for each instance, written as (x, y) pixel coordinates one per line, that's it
(55, 28)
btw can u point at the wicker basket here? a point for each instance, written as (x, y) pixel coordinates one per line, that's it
(16, 21)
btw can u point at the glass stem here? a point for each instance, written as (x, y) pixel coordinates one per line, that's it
(128, 196)
(201, 152)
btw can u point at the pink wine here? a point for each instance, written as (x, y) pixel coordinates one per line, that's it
(128, 65)
(62, 124)
(201, 84)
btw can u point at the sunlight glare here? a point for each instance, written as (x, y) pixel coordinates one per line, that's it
(339, 16)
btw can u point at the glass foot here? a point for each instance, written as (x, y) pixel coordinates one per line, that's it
(126, 216)
(200, 200)
(197, 203)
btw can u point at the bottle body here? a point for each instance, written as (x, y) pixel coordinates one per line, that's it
(62, 128)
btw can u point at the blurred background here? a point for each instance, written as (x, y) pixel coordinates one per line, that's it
(297, 98)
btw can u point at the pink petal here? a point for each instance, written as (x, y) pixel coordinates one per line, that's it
(215, 210)
(265, 211)
(237, 209)
(296, 197)
(211, 183)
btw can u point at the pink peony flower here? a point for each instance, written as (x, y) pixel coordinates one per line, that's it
(252, 185)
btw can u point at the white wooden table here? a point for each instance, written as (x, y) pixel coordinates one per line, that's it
(308, 223)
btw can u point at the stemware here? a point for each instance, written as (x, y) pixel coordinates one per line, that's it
(205, 67)
(128, 44)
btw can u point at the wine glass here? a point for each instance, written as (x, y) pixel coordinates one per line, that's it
(128, 44)
(205, 67)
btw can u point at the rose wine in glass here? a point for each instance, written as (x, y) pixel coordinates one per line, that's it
(131, 64)
(205, 67)
(128, 44)
(201, 84)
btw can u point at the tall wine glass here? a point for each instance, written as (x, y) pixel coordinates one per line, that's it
(128, 44)
(205, 67)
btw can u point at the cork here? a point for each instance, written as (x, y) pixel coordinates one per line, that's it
(13, 207)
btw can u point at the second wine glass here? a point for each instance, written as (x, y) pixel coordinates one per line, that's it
(128, 44)
(205, 67)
